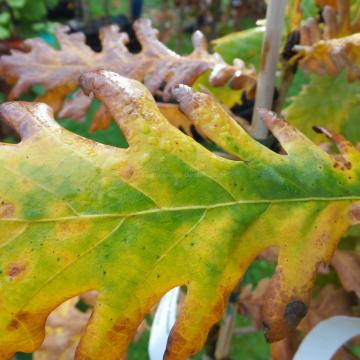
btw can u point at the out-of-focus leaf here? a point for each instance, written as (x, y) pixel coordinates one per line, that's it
(4, 17)
(309, 8)
(252, 300)
(323, 3)
(331, 56)
(246, 44)
(34, 10)
(338, 21)
(335, 4)
(298, 83)
(285, 349)
(330, 102)
(64, 327)
(294, 15)
(328, 48)
(329, 302)
(16, 3)
(4, 32)
(298, 10)
(58, 70)
(134, 223)
(347, 266)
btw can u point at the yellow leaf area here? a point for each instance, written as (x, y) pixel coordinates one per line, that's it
(133, 223)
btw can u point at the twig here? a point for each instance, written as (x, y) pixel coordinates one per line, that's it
(227, 328)
(270, 51)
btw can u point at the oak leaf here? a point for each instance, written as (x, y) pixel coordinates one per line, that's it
(331, 56)
(133, 223)
(58, 70)
(329, 302)
(330, 47)
(252, 300)
(347, 266)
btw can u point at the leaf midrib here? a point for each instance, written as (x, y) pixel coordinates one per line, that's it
(181, 208)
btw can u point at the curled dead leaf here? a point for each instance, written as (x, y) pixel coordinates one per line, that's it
(159, 68)
(347, 266)
(330, 47)
(251, 301)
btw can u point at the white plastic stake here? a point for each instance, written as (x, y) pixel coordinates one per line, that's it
(270, 54)
(165, 317)
(327, 337)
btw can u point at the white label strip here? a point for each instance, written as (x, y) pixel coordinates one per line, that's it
(327, 337)
(164, 319)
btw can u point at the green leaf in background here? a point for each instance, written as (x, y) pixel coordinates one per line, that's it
(355, 6)
(4, 32)
(331, 102)
(309, 9)
(258, 270)
(245, 45)
(17, 3)
(34, 10)
(299, 81)
(97, 8)
(4, 17)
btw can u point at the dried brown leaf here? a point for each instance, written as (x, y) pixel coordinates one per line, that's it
(331, 56)
(251, 301)
(161, 69)
(66, 325)
(64, 328)
(347, 266)
(329, 302)
(329, 47)
(285, 349)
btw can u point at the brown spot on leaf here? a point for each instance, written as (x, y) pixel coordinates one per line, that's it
(127, 172)
(22, 315)
(294, 312)
(15, 269)
(120, 327)
(67, 230)
(13, 325)
(6, 210)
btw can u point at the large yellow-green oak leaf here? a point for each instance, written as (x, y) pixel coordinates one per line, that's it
(133, 223)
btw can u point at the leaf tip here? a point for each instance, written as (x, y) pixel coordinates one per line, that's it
(184, 95)
(268, 117)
